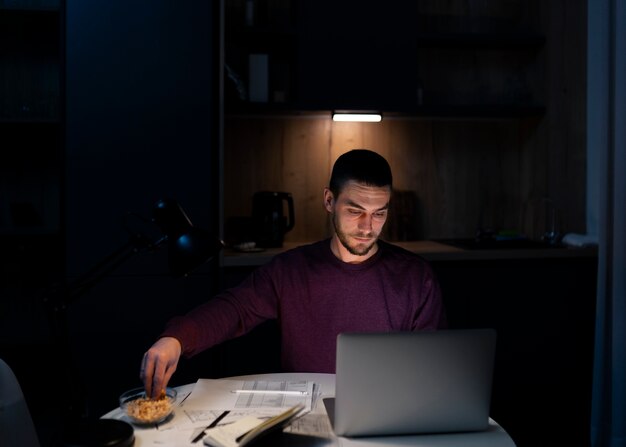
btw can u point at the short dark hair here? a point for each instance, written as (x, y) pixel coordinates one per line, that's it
(361, 165)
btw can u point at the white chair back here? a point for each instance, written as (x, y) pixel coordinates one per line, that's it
(16, 425)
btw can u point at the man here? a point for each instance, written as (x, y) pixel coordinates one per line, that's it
(348, 283)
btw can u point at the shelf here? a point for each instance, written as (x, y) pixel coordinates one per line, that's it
(28, 121)
(494, 111)
(429, 249)
(43, 9)
(266, 40)
(500, 41)
(487, 111)
(472, 67)
(13, 18)
(255, 31)
(30, 62)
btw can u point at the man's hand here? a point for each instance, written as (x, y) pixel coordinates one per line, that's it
(158, 365)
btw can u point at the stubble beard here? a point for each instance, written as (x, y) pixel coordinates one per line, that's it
(360, 249)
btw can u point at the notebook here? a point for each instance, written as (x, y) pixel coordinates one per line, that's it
(412, 382)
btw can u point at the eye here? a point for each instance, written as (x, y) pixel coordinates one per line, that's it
(380, 214)
(354, 212)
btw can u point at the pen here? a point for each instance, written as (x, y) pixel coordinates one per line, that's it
(284, 392)
(211, 425)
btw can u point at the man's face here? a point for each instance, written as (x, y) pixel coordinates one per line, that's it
(358, 215)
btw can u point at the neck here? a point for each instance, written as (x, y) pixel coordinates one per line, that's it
(344, 255)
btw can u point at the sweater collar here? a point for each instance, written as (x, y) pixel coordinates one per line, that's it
(350, 266)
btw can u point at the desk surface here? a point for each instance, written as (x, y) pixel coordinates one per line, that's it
(494, 436)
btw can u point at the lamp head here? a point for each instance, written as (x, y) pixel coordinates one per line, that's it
(188, 247)
(170, 217)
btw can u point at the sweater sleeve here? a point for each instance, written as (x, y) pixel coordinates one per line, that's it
(227, 315)
(430, 314)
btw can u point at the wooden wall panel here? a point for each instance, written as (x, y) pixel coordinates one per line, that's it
(277, 154)
(451, 177)
(307, 169)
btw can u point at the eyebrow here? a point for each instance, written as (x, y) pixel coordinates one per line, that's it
(356, 205)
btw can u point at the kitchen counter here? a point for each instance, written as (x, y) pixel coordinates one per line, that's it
(431, 251)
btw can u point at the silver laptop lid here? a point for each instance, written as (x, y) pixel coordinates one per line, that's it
(413, 382)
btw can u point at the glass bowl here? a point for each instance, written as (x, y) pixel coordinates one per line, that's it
(142, 410)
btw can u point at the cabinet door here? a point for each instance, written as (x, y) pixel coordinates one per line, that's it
(406, 57)
(357, 55)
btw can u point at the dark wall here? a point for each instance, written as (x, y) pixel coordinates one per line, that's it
(142, 124)
(141, 116)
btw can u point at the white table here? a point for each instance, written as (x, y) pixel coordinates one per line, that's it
(494, 436)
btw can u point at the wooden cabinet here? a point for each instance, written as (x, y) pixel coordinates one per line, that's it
(480, 59)
(260, 55)
(482, 108)
(404, 57)
(479, 74)
(357, 55)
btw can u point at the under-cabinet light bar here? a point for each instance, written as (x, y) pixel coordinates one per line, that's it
(358, 117)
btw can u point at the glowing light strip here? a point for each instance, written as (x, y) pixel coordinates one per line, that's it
(358, 117)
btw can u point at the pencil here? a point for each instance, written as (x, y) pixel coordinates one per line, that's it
(284, 392)
(211, 425)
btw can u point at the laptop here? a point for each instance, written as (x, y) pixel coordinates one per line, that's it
(412, 382)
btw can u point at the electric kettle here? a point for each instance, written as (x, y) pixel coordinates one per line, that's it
(268, 217)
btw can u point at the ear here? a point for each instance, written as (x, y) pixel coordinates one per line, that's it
(329, 200)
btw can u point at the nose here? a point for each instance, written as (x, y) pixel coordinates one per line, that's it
(365, 222)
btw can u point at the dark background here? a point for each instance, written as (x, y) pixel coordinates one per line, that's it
(135, 117)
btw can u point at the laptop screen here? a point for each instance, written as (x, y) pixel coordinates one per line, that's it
(413, 382)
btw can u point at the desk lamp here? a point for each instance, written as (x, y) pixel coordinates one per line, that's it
(188, 248)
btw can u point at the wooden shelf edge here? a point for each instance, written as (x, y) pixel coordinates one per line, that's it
(495, 111)
(428, 249)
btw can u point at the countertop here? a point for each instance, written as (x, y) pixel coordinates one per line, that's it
(429, 250)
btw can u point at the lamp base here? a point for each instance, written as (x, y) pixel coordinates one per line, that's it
(99, 433)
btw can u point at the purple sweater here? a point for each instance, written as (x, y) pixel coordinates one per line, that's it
(315, 296)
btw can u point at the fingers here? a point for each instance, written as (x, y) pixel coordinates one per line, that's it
(159, 364)
(153, 372)
(146, 373)
(158, 379)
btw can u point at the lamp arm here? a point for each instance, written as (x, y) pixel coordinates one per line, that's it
(88, 280)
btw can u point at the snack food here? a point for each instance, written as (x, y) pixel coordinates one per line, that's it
(144, 410)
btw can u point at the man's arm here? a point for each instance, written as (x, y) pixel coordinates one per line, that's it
(431, 314)
(226, 316)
